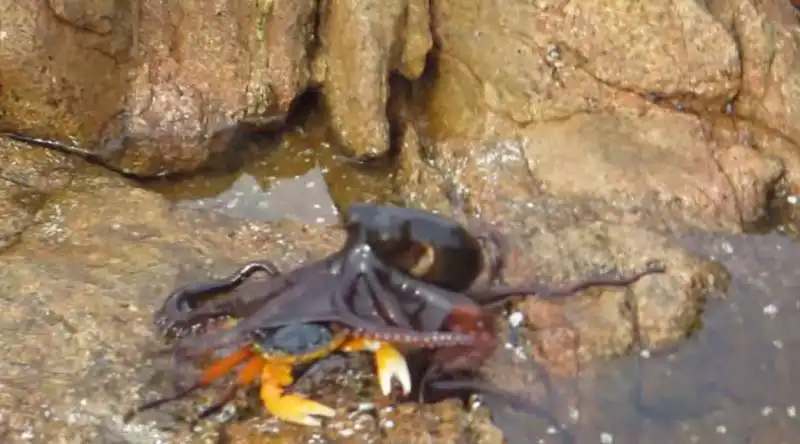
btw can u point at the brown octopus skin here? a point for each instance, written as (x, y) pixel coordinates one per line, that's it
(368, 287)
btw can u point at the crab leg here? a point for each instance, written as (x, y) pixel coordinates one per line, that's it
(389, 362)
(213, 372)
(275, 377)
(249, 373)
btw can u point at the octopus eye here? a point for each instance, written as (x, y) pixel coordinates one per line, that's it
(425, 261)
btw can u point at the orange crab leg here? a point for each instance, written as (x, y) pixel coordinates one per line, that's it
(213, 372)
(223, 366)
(250, 371)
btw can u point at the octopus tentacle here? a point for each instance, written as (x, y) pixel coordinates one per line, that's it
(180, 299)
(243, 303)
(260, 318)
(417, 338)
(184, 302)
(385, 302)
(369, 327)
(499, 295)
(231, 306)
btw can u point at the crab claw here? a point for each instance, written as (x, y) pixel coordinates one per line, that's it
(390, 364)
(289, 407)
(295, 408)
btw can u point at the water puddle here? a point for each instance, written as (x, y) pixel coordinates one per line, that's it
(731, 383)
(298, 176)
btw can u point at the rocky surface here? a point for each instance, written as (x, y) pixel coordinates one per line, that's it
(591, 132)
(150, 87)
(362, 42)
(731, 381)
(149, 94)
(652, 107)
(80, 280)
(96, 255)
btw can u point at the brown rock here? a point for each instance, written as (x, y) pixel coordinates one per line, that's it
(770, 90)
(362, 44)
(63, 69)
(150, 88)
(533, 63)
(767, 103)
(27, 177)
(574, 116)
(668, 306)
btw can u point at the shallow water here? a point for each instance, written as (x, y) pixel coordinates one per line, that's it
(731, 383)
(298, 176)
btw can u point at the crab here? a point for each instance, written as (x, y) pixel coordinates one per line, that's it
(272, 357)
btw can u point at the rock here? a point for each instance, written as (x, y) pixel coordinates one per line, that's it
(767, 106)
(27, 177)
(147, 87)
(65, 66)
(445, 422)
(571, 59)
(558, 244)
(155, 90)
(770, 89)
(92, 261)
(155, 97)
(660, 162)
(696, 389)
(570, 117)
(362, 44)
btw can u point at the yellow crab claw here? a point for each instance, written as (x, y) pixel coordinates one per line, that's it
(289, 407)
(390, 364)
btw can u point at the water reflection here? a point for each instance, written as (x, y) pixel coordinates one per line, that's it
(304, 198)
(298, 175)
(731, 383)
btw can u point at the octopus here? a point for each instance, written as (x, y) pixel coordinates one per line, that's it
(403, 277)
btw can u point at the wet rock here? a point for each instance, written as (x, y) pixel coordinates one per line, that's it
(701, 390)
(63, 67)
(203, 69)
(661, 162)
(571, 117)
(78, 290)
(571, 59)
(147, 87)
(362, 44)
(770, 89)
(164, 89)
(445, 422)
(559, 243)
(27, 177)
